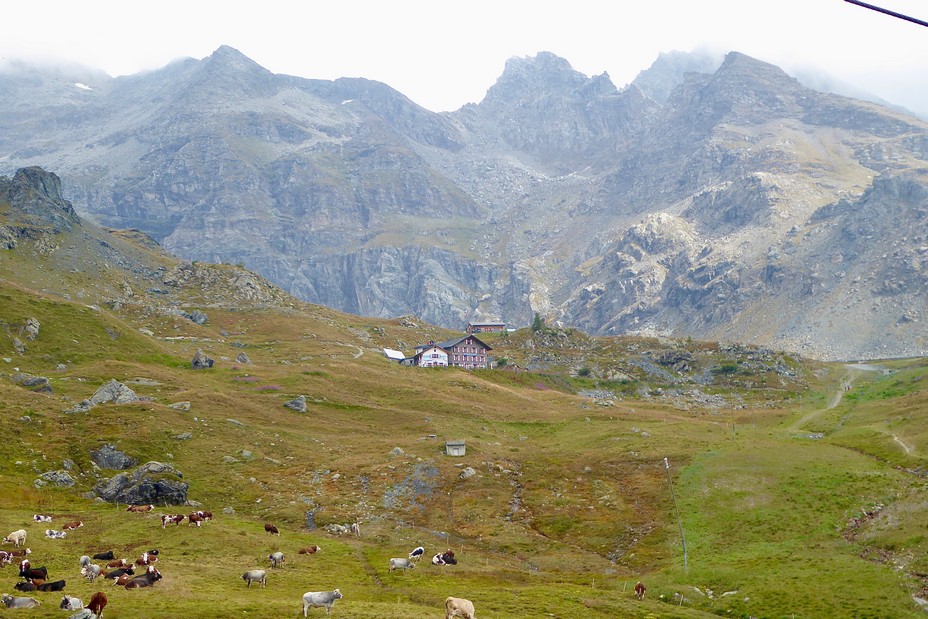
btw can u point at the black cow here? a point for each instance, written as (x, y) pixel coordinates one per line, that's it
(58, 585)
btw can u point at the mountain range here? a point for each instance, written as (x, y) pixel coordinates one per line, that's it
(714, 199)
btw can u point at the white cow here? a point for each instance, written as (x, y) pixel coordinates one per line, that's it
(315, 599)
(69, 602)
(459, 607)
(255, 575)
(18, 602)
(401, 564)
(17, 538)
(41, 518)
(276, 559)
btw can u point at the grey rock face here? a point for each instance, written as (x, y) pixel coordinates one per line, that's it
(200, 361)
(108, 457)
(31, 328)
(153, 482)
(62, 479)
(115, 392)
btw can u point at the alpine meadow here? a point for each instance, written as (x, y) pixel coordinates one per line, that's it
(712, 385)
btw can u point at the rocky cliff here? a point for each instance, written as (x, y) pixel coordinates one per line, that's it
(718, 199)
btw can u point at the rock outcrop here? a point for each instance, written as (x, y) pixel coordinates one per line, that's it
(153, 482)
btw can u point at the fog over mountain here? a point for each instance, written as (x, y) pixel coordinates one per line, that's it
(716, 198)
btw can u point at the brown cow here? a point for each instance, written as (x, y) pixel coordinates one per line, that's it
(97, 603)
(119, 563)
(70, 526)
(140, 508)
(269, 528)
(195, 518)
(640, 590)
(310, 550)
(123, 579)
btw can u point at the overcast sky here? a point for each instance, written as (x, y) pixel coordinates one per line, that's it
(445, 54)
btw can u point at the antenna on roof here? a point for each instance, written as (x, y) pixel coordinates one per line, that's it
(888, 12)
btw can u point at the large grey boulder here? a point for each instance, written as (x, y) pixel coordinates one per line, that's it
(201, 361)
(115, 392)
(108, 457)
(153, 482)
(62, 479)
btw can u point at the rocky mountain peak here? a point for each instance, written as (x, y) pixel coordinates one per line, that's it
(35, 198)
(229, 73)
(525, 79)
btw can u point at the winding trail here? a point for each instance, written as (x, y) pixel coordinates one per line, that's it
(854, 371)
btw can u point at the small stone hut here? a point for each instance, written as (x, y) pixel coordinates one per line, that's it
(455, 447)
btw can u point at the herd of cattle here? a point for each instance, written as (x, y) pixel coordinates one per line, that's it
(123, 572)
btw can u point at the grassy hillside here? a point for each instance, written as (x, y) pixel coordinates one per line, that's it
(790, 502)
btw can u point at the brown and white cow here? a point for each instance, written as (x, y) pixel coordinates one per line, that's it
(640, 590)
(175, 519)
(70, 526)
(271, 529)
(140, 508)
(310, 550)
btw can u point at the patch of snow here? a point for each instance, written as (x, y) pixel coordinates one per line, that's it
(82, 86)
(346, 101)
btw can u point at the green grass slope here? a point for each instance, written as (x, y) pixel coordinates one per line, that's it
(790, 504)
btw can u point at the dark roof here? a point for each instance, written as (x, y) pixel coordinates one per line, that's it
(452, 343)
(486, 323)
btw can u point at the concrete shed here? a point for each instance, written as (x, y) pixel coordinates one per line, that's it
(455, 448)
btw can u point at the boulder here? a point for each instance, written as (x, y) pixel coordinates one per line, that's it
(242, 358)
(31, 329)
(201, 361)
(153, 482)
(115, 392)
(108, 457)
(62, 479)
(36, 383)
(196, 316)
(297, 404)
(180, 406)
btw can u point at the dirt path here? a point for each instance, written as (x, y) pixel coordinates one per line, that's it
(847, 381)
(908, 450)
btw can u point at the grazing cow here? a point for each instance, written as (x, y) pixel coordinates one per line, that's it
(25, 586)
(355, 528)
(70, 526)
(205, 515)
(17, 538)
(459, 607)
(140, 509)
(417, 553)
(57, 585)
(91, 572)
(118, 563)
(105, 556)
(97, 603)
(53, 534)
(17, 602)
(276, 559)
(310, 550)
(71, 603)
(194, 518)
(640, 590)
(316, 599)
(41, 518)
(145, 580)
(255, 575)
(22, 552)
(271, 529)
(167, 519)
(85, 561)
(401, 564)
